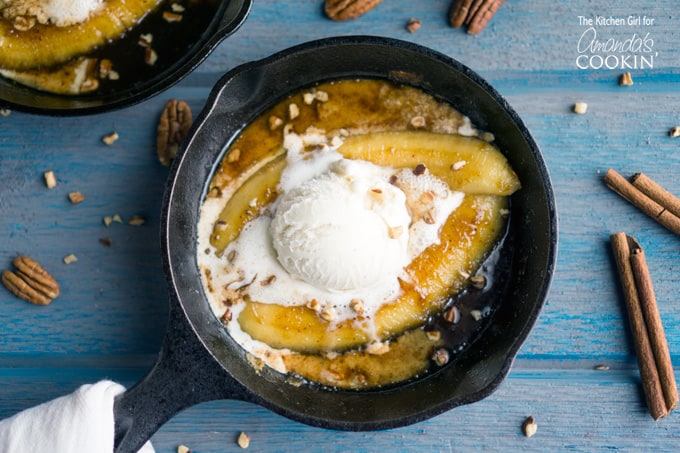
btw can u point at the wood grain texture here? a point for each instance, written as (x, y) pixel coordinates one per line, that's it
(111, 316)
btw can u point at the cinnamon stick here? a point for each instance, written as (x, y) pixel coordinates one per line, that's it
(636, 197)
(657, 193)
(661, 396)
(657, 337)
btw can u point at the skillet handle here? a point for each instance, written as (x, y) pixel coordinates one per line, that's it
(185, 374)
(234, 15)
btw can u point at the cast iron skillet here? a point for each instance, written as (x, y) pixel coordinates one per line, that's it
(191, 40)
(200, 362)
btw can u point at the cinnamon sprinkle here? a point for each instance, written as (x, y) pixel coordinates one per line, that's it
(651, 347)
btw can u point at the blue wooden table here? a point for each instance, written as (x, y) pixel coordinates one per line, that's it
(111, 316)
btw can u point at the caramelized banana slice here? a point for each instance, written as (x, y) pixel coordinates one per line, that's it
(407, 356)
(466, 164)
(440, 270)
(76, 77)
(49, 45)
(248, 200)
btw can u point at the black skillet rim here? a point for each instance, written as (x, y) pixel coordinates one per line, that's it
(210, 331)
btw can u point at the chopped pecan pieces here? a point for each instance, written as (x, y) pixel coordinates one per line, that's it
(413, 25)
(50, 179)
(110, 139)
(173, 126)
(69, 259)
(243, 440)
(76, 197)
(136, 220)
(529, 427)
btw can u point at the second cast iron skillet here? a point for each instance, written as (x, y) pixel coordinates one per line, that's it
(180, 47)
(200, 362)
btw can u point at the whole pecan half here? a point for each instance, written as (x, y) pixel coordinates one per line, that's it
(30, 282)
(173, 126)
(348, 9)
(473, 13)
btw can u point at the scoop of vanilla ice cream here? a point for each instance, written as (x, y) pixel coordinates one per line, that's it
(345, 229)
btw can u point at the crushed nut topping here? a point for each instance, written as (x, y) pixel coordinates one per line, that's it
(440, 357)
(170, 16)
(395, 232)
(529, 427)
(308, 98)
(357, 306)
(176, 7)
(331, 375)
(105, 66)
(452, 315)
(22, 23)
(226, 317)
(183, 449)
(234, 155)
(5, 112)
(433, 335)
(268, 281)
(674, 132)
(328, 313)
(580, 108)
(90, 84)
(136, 220)
(413, 25)
(243, 440)
(626, 79)
(458, 165)
(418, 122)
(378, 347)
(478, 281)
(426, 197)
(476, 314)
(110, 139)
(114, 218)
(293, 111)
(150, 56)
(50, 179)
(321, 96)
(314, 305)
(71, 258)
(601, 368)
(76, 197)
(487, 137)
(275, 122)
(145, 40)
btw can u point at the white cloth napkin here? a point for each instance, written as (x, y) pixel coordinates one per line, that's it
(81, 422)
